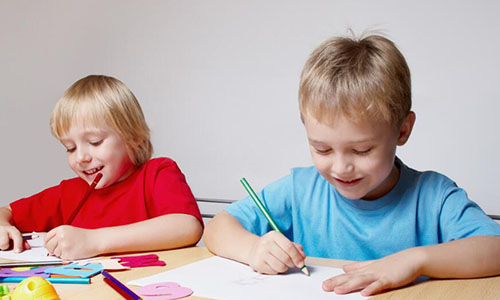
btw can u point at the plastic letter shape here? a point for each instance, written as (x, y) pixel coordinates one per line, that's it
(40, 272)
(164, 291)
(84, 271)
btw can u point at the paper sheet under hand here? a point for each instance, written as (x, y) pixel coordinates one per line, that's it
(36, 253)
(221, 278)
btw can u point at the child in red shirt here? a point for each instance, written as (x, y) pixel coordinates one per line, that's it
(140, 204)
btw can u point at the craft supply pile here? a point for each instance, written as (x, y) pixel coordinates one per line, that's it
(36, 278)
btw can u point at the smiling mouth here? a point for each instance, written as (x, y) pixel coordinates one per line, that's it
(348, 182)
(93, 171)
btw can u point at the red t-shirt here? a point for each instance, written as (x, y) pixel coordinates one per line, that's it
(156, 188)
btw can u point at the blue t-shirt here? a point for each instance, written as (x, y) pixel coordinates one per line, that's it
(424, 208)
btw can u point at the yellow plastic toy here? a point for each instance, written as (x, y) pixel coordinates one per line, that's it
(34, 288)
(4, 291)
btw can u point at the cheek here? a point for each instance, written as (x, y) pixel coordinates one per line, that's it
(380, 165)
(71, 161)
(321, 163)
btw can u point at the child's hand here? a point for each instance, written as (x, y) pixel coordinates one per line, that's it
(374, 276)
(69, 242)
(273, 253)
(10, 233)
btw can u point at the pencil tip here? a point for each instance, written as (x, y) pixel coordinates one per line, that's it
(305, 270)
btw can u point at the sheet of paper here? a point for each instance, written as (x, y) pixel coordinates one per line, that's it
(221, 278)
(36, 253)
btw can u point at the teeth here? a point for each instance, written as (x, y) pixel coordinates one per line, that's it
(92, 171)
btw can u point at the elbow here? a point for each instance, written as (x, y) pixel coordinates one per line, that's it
(210, 234)
(207, 235)
(193, 231)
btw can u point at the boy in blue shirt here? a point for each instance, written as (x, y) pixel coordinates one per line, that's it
(359, 201)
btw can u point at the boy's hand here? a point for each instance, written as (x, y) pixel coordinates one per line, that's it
(273, 253)
(10, 233)
(69, 242)
(374, 276)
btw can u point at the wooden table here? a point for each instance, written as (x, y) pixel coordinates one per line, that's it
(483, 288)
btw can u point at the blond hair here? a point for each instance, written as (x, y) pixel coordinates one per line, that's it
(96, 99)
(356, 78)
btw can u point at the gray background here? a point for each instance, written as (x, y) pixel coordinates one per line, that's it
(218, 83)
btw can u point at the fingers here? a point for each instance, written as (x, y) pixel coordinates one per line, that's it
(291, 254)
(10, 233)
(275, 265)
(301, 250)
(17, 241)
(345, 283)
(279, 259)
(273, 253)
(330, 284)
(4, 241)
(51, 240)
(26, 245)
(374, 288)
(57, 252)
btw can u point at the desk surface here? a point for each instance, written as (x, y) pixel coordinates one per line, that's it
(483, 288)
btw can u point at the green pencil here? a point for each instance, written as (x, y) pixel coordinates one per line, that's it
(266, 214)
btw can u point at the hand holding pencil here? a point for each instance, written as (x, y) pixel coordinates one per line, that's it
(273, 253)
(10, 236)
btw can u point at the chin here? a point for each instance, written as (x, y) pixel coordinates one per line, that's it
(352, 196)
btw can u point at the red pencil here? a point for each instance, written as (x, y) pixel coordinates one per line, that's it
(85, 197)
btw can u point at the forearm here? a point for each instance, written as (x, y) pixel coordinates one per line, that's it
(465, 258)
(225, 237)
(164, 232)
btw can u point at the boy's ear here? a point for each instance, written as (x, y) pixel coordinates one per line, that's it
(406, 128)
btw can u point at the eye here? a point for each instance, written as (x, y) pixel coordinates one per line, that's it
(322, 151)
(362, 152)
(71, 150)
(96, 143)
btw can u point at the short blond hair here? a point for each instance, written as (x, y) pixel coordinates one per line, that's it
(356, 78)
(96, 99)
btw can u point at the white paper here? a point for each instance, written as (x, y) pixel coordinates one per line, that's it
(36, 253)
(221, 278)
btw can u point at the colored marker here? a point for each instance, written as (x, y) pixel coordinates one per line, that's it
(120, 285)
(49, 279)
(266, 214)
(85, 197)
(32, 263)
(30, 236)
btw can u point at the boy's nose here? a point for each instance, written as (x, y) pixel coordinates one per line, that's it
(342, 166)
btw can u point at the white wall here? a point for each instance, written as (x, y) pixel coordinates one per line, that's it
(218, 83)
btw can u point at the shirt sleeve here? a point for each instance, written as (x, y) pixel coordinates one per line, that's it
(40, 212)
(276, 198)
(171, 193)
(460, 217)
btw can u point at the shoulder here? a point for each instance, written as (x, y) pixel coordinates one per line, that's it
(162, 170)
(428, 179)
(160, 164)
(430, 187)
